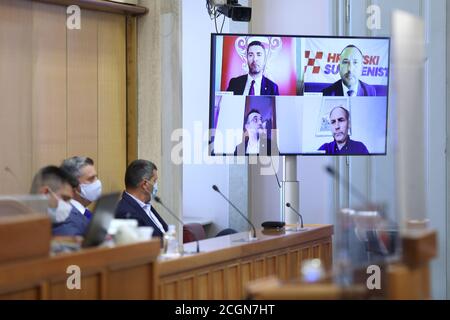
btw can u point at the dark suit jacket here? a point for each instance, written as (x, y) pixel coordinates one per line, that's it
(335, 89)
(75, 225)
(128, 208)
(268, 87)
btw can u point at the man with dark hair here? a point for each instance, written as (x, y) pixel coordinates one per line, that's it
(89, 188)
(255, 139)
(140, 185)
(350, 68)
(58, 185)
(342, 144)
(255, 83)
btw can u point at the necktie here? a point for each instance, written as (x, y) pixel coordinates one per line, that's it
(350, 92)
(88, 214)
(251, 92)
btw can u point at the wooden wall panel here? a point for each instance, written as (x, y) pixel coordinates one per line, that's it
(218, 284)
(246, 275)
(26, 294)
(15, 98)
(259, 268)
(168, 290)
(271, 265)
(306, 253)
(127, 283)
(187, 288)
(111, 101)
(294, 263)
(203, 284)
(224, 273)
(82, 113)
(316, 251)
(62, 92)
(283, 266)
(49, 92)
(233, 282)
(90, 289)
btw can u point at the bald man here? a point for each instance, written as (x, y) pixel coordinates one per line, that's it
(342, 144)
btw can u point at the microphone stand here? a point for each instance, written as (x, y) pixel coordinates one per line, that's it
(301, 228)
(158, 200)
(215, 188)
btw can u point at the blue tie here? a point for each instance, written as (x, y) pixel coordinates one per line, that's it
(350, 92)
(88, 214)
(251, 92)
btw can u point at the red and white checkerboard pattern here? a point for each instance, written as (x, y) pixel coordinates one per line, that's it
(312, 61)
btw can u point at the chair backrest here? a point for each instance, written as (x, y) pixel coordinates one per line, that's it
(193, 232)
(225, 232)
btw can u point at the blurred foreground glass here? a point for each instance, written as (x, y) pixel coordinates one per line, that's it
(363, 237)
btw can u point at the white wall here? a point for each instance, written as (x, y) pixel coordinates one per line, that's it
(295, 17)
(199, 199)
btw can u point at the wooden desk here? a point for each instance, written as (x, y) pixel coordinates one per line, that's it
(226, 264)
(121, 272)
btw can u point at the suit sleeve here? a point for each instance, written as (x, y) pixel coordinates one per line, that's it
(231, 85)
(275, 90)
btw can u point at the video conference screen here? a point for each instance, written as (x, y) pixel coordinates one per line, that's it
(298, 95)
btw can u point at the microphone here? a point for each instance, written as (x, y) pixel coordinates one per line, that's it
(16, 180)
(292, 208)
(275, 172)
(215, 188)
(158, 200)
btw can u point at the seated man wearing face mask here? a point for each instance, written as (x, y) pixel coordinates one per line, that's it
(90, 187)
(140, 185)
(58, 185)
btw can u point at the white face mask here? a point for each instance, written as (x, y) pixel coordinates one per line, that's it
(155, 189)
(91, 191)
(61, 212)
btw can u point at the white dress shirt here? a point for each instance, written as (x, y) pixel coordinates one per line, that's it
(346, 90)
(78, 206)
(252, 146)
(147, 208)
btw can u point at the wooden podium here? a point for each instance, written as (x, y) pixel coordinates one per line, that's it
(226, 264)
(136, 271)
(119, 272)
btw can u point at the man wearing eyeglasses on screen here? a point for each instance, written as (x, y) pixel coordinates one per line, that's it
(255, 140)
(342, 144)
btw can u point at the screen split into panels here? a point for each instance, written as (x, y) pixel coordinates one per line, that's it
(298, 95)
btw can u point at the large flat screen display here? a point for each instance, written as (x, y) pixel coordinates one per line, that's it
(298, 95)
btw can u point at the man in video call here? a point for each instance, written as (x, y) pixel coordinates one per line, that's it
(254, 83)
(350, 68)
(342, 144)
(255, 136)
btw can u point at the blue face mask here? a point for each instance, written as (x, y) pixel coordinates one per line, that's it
(155, 189)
